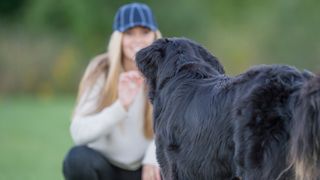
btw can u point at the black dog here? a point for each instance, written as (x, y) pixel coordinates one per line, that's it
(211, 126)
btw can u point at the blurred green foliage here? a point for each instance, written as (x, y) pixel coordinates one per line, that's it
(46, 44)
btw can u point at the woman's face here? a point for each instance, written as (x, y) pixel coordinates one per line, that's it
(135, 39)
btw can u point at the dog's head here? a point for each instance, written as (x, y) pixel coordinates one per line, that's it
(169, 57)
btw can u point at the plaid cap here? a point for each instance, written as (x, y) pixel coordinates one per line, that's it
(134, 14)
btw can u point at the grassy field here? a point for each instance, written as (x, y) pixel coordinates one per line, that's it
(34, 136)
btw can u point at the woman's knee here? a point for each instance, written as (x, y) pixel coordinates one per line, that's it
(76, 162)
(76, 156)
(84, 161)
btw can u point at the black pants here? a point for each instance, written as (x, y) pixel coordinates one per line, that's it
(83, 163)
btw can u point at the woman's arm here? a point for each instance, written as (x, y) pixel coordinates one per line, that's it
(87, 128)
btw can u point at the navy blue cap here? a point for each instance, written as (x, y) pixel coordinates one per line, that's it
(132, 15)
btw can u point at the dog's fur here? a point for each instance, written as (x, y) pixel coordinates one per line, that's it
(211, 126)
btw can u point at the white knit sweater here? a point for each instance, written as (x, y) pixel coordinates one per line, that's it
(114, 132)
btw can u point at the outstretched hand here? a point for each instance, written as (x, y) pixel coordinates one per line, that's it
(129, 85)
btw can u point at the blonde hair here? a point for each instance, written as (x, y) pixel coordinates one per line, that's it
(110, 67)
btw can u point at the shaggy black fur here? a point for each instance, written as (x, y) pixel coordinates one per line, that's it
(211, 126)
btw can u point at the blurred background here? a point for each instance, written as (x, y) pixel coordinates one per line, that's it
(45, 46)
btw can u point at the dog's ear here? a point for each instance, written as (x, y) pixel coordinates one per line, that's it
(210, 59)
(193, 66)
(194, 58)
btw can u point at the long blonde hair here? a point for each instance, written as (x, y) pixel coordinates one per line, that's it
(110, 67)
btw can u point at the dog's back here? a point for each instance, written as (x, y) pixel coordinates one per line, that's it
(264, 119)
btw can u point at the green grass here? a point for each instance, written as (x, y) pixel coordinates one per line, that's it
(34, 137)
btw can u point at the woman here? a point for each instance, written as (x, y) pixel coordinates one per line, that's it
(112, 124)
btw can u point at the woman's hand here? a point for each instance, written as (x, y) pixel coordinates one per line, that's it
(129, 84)
(150, 172)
